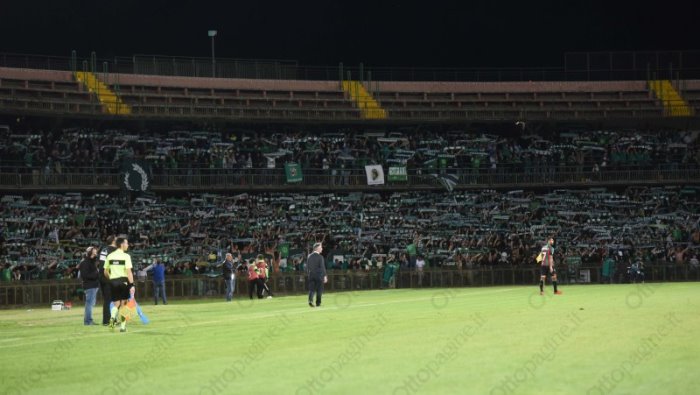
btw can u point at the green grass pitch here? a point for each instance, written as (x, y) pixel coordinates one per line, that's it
(596, 339)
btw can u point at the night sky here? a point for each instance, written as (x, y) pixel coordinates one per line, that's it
(388, 33)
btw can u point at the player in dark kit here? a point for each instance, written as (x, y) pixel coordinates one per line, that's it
(316, 268)
(546, 259)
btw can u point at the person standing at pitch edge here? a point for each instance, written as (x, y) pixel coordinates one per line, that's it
(263, 274)
(229, 276)
(105, 287)
(316, 269)
(546, 259)
(121, 278)
(253, 281)
(159, 281)
(90, 277)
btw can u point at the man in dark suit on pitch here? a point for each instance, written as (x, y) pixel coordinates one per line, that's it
(316, 270)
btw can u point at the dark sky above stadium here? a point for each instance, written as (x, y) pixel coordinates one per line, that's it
(381, 33)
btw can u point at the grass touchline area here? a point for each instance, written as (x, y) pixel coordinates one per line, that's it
(595, 339)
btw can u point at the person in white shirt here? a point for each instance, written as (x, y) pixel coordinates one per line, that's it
(420, 264)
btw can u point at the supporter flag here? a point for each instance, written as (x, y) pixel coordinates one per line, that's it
(136, 176)
(133, 304)
(398, 173)
(375, 174)
(133, 307)
(293, 172)
(447, 180)
(283, 250)
(411, 249)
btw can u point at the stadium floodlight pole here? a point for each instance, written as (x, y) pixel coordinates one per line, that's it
(212, 34)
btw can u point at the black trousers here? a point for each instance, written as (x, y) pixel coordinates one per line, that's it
(315, 287)
(258, 284)
(261, 287)
(106, 290)
(265, 287)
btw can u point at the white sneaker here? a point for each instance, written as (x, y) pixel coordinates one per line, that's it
(269, 296)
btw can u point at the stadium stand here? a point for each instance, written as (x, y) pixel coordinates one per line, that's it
(58, 153)
(110, 100)
(471, 197)
(44, 91)
(182, 96)
(518, 100)
(145, 96)
(691, 92)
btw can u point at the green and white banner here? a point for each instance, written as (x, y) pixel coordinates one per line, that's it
(283, 250)
(293, 172)
(398, 173)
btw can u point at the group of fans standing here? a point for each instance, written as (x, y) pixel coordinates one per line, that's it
(116, 280)
(258, 273)
(112, 273)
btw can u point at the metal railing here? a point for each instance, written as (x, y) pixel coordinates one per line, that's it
(163, 111)
(583, 66)
(38, 292)
(350, 179)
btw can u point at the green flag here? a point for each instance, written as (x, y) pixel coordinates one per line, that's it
(283, 250)
(398, 173)
(411, 249)
(293, 172)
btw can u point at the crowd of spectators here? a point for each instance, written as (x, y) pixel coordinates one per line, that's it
(42, 236)
(520, 149)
